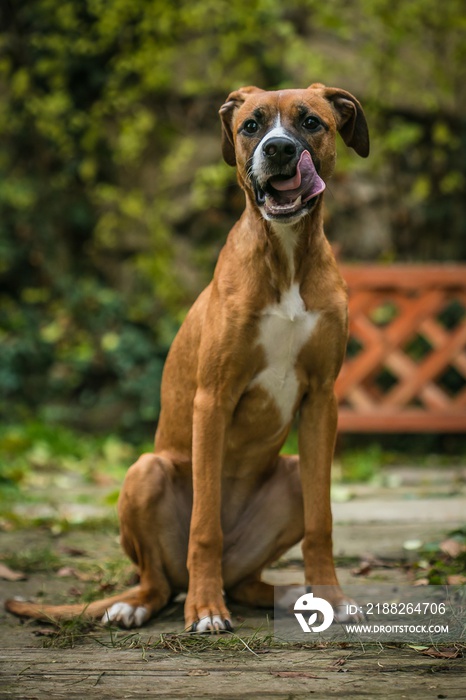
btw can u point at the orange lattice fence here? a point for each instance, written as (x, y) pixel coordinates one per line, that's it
(405, 369)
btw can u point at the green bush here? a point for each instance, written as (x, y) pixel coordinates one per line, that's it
(113, 195)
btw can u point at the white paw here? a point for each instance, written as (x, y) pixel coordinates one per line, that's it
(125, 615)
(212, 623)
(348, 611)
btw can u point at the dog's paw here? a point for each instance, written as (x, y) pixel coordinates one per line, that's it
(211, 625)
(348, 611)
(125, 615)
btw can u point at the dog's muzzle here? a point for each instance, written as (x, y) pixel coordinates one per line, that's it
(282, 190)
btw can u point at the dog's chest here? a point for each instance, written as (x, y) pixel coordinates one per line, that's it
(284, 329)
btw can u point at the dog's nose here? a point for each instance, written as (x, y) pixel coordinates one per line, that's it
(279, 150)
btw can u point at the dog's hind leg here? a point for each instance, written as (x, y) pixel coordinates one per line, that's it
(145, 508)
(149, 532)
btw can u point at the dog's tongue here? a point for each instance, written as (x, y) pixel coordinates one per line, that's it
(306, 182)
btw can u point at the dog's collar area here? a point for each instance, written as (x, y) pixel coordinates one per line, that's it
(285, 196)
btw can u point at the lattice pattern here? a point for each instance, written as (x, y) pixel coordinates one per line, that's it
(406, 362)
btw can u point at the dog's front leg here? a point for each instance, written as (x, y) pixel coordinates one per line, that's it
(317, 431)
(205, 607)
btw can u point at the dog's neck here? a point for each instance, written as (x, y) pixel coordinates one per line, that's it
(288, 251)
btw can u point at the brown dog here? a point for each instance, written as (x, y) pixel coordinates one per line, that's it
(216, 503)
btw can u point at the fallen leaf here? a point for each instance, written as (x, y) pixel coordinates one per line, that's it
(339, 662)
(67, 572)
(417, 647)
(448, 653)
(363, 569)
(70, 572)
(453, 548)
(9, 575)
(456, 579)
(45, 632)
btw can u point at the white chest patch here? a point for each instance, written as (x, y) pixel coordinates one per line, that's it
(284, 329)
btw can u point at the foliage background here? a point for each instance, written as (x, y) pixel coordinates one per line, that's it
(114, 200)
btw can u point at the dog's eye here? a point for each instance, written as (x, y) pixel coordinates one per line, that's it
(251, 126)
(311, 123)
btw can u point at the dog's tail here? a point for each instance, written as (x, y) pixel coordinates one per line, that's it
(54, 613)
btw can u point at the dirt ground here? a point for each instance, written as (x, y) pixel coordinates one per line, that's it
(159, 661)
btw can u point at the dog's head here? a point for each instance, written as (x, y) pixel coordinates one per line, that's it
(283, 144)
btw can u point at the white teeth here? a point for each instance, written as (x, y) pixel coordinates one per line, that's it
(274, 208)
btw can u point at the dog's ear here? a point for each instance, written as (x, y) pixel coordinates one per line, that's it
(234, 100)
(351, 122)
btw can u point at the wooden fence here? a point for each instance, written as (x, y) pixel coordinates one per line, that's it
(405, 369)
